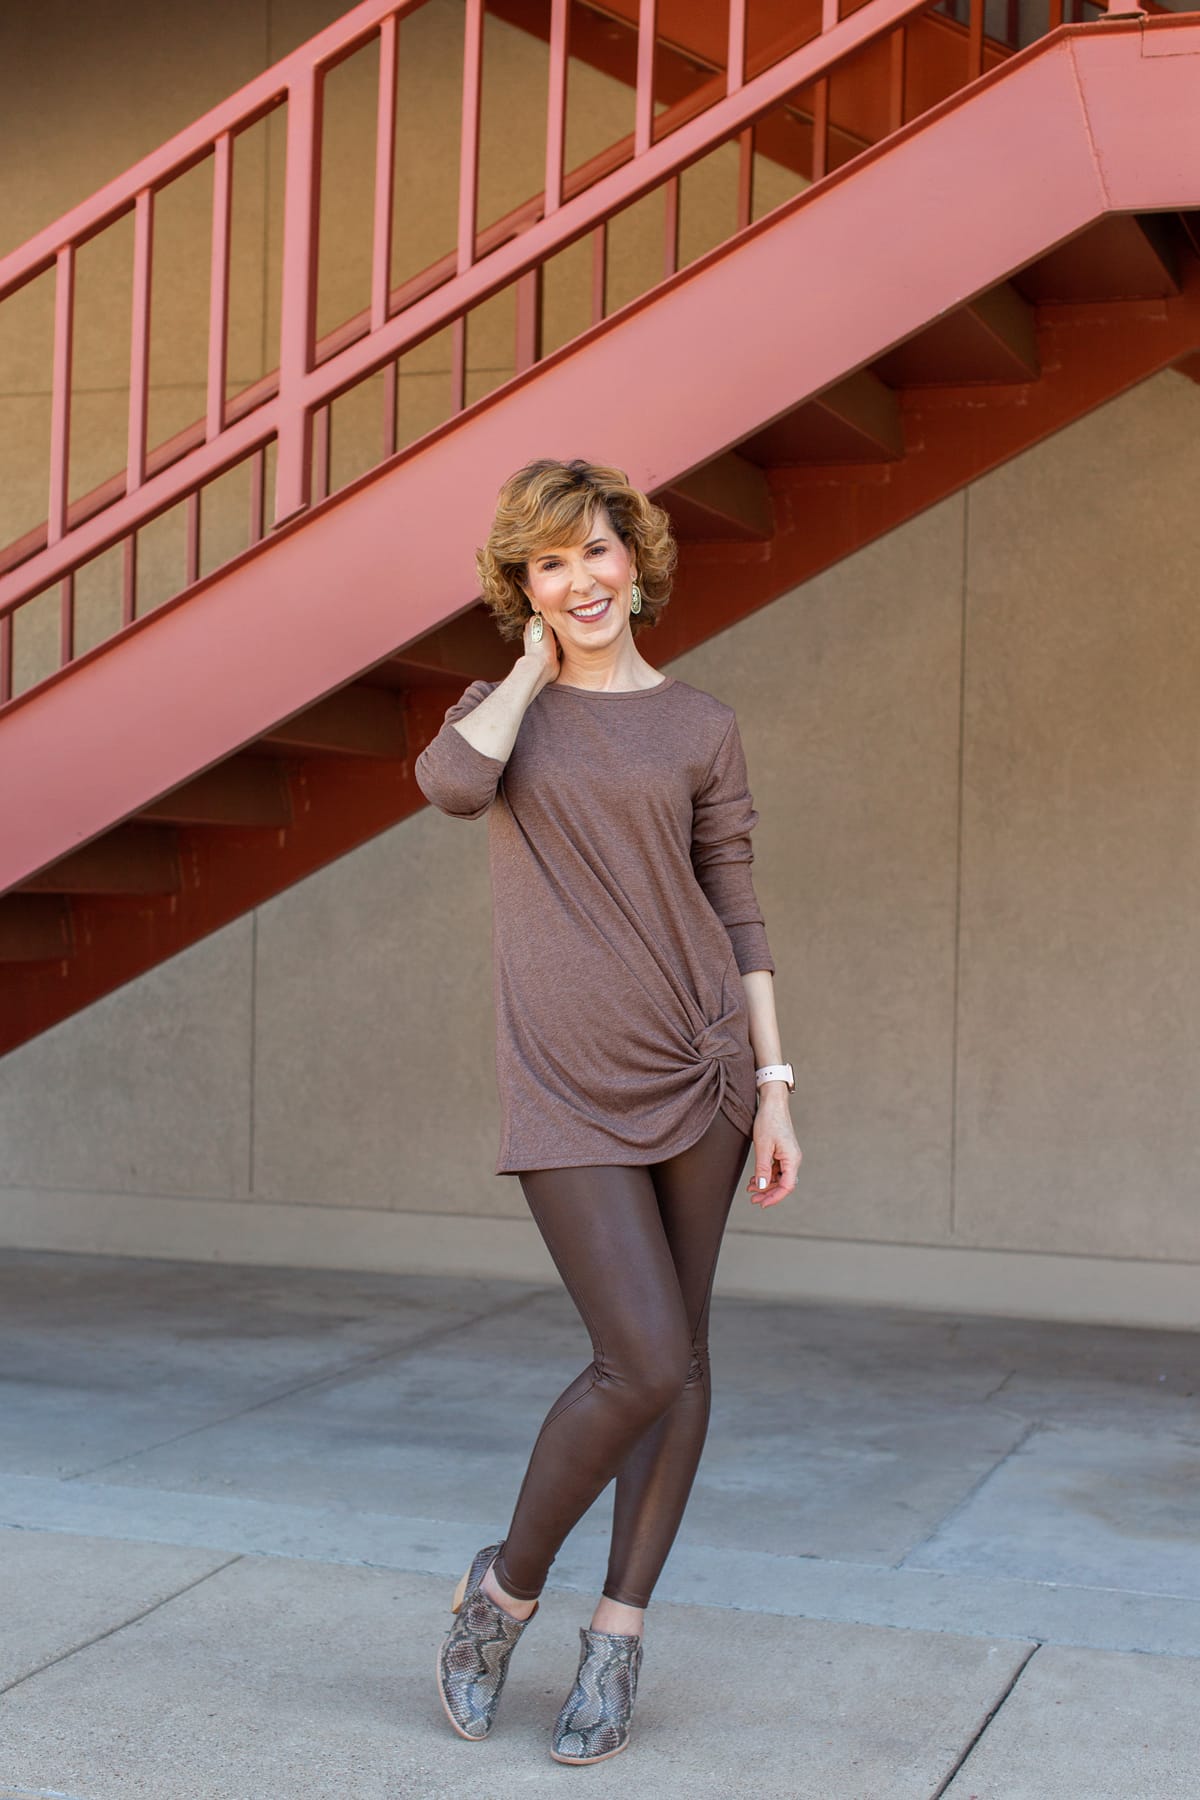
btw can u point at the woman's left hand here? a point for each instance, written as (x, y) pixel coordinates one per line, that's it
(776, 1151)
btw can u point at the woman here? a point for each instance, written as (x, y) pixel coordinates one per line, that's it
(637, 1048)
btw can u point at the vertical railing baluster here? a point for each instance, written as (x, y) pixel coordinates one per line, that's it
(6, 658)
(529, 319)
(66, 620)
(599, 271)
(60, 403)
(734, 80)
(556, 106)
(385, 173)
(301, 200)
(830, 11)
(736, 60)
(643, 127)
(898, 58)
(458, 364)
(820, 129)
(975, 41)
(391, 408)
(1056, 14)
(670, 226)
(745, 189)
(218, 285)
(258, 494)
(468, 155)
(139, 341)
(129, 579)
(193, 537)
(322, 432)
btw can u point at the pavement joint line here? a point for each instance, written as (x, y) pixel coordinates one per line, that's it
(999, 1388)
(98, 1637)
(964, 1500)
(957, 1603)
(344, 1372)
(969, 1747)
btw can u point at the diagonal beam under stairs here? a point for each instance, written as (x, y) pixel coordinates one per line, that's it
(1092, 353)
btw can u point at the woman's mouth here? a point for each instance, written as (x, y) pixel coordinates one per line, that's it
(596, 610)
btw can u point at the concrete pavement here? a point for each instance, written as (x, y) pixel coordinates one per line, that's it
(926, 1554)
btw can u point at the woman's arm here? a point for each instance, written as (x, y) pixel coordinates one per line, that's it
(723, 817)
(776, 1152)
(493, 725)
(764, 1024)
(459, 770)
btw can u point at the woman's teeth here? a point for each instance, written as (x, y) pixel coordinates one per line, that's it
(595, 611)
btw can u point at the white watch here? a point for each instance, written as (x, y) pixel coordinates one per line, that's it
(776, 1072)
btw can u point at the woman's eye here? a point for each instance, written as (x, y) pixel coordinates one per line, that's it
(548, 568)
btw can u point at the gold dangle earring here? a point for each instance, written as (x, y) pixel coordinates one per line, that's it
(635, 598)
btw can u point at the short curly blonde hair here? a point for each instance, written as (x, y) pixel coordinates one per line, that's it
(553, 503)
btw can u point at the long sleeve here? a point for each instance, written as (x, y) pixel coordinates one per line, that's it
(723, 817)
(453, 775)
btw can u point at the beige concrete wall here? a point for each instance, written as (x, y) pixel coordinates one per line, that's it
(975, 749)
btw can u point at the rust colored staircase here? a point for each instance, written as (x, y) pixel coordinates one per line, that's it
(950, 289)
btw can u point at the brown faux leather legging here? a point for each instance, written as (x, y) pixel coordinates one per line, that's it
(637, 1249)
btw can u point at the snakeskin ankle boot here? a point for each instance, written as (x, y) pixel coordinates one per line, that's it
(595, 1718)
(473, 1660)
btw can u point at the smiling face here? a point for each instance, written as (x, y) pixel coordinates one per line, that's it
(583, 590)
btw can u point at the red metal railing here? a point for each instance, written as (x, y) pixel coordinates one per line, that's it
(290, 409)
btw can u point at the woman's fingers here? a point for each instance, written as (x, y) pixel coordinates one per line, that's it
(544, 647)
(776, 1166)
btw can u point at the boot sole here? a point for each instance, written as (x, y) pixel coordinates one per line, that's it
(605, 1755)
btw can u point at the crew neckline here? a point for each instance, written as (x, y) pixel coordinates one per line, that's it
(565, 687)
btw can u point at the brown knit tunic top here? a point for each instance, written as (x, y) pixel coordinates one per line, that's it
(623, 917)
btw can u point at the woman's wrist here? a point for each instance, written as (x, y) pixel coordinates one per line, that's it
(531, 673)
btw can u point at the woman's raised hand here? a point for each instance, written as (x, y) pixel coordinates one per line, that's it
(545, 653)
